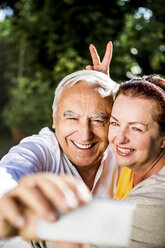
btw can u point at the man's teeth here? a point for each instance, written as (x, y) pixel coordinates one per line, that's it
(82, 146)
(124, 150)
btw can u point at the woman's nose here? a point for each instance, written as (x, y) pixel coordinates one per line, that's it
(121, 137)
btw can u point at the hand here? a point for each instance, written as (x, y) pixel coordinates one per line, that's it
(68, 245)
(42, 194)
(97, 65)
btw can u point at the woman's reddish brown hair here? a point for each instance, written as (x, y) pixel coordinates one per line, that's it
(150, 87)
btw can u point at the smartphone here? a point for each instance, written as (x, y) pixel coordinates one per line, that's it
(100, 222)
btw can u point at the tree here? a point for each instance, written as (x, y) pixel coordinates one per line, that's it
(48, 39)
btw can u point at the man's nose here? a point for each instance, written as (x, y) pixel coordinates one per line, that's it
(86, 132)
(121, 137)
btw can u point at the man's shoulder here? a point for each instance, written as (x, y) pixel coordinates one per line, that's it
(45, 140)
(45, 134)
(46, 131)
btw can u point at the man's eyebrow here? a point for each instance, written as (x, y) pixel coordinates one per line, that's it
(70, 113)
(100, 115)
(132, 122)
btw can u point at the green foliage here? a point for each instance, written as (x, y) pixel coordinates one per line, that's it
(68, 62)
(29, 107)
(8, 64)
(45, 40)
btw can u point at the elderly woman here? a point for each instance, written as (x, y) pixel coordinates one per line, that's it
(137, 137)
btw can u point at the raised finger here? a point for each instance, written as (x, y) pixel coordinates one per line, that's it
(94, 55)
(108, 54)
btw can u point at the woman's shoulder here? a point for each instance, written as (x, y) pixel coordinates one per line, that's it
(150, 190)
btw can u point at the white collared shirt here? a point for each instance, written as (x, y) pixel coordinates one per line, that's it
(41, 152)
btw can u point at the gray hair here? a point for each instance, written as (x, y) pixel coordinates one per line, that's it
(107, 85)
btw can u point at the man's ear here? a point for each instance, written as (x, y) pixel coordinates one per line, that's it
(163, 143)
(53, 126)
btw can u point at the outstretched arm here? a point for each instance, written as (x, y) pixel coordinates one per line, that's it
(39, 195)
(97, 64)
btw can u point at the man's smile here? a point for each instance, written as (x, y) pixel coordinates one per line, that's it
(83, 146)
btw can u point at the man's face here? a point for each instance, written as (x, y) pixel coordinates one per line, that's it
(81, 124)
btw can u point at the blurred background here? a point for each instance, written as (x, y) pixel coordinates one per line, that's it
(41, 41)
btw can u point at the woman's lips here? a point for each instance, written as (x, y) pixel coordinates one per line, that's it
(124, 151)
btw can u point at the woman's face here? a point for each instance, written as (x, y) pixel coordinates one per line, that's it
(133, 134)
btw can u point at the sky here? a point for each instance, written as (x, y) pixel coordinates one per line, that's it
(5, 12)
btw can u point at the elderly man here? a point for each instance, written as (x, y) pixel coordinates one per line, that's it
(81, 111)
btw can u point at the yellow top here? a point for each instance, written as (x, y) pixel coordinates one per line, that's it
(125, 183)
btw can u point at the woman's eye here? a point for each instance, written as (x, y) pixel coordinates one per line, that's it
(137, 129)
(114, 123)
